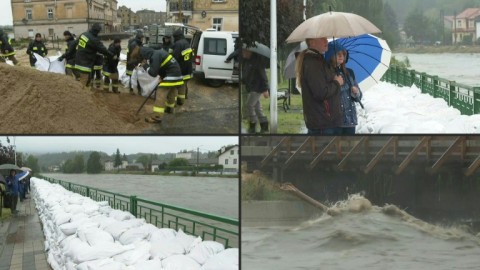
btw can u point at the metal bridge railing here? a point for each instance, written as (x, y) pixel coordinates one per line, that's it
(207, 226)
(460, 96)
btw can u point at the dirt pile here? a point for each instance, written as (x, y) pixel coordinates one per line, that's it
(34, 102)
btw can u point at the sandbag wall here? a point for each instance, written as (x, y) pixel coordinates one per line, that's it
(84, 234)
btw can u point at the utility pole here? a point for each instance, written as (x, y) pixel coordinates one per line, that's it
(15, 150)
(454, 27)
(198, 149)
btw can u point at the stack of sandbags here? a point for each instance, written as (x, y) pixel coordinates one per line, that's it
(83, 234)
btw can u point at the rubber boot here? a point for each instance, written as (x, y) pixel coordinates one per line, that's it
(264, 127)
(180, 101)
(251, 128)
(169, 110)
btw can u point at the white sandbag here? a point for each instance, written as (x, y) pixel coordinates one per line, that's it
(116, 229)
(49, 64)
(53, 262)
(225, 260)
(137, 234)
(154, 264)
(140, 253)
(79, 217)
(166, 248)
(94, 236)
(57, 66)
(187, 241)
(74, 209)
(80, 251)
(102, 264)
(147, 82)
(180, 262)
(103, 221)
(62, 217)
(121, 215)
(162, 234)
(42, 63)
(205, 250)
(75, 199)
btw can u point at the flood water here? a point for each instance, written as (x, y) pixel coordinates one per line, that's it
(214, 195)
(459, 67)
(379, 238)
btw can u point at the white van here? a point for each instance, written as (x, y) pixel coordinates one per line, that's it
(211, 49)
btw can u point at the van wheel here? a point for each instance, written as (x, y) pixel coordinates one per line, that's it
(215, 83)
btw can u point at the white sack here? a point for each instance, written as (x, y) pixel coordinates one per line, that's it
(225, 260)
(205, 250)
(180, 262)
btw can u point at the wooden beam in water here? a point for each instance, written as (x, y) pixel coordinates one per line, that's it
(425, 141)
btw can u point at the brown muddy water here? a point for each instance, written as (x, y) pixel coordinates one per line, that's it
(375, 238)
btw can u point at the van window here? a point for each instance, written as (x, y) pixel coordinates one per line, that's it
(215, 46)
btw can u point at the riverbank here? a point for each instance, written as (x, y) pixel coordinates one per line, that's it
(438, 49)
(183, 173)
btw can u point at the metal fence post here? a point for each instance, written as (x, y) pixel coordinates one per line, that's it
(133, 205)
(88, 192)
(452, 89)
(476, 100)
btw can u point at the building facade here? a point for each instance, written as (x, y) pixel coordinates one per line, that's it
(221, 15)
(52, 17)
(129, 19)
(229, 158)
(464, 26)
(148, 17)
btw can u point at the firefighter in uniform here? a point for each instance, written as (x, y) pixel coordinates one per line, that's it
(69, 54)
(88, 46)
(96, 79)
(132, 44)
(167, 43)
(163, 64)
(36, 46)
(6, 49)
(183, 53)
(110, 70)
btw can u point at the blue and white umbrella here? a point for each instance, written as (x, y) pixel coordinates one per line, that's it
(368, 57)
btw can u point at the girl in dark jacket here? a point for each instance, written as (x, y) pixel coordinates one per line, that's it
(350, 92)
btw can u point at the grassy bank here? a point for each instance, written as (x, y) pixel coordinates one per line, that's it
(167, 174)
(257, 187)
(439, 49)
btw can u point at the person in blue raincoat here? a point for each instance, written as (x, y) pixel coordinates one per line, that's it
(13, 184)
(350, 92)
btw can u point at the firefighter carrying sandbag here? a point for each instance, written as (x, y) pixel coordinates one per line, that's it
(163, 64)
(6, 49)
(110, 68)
(88, 46)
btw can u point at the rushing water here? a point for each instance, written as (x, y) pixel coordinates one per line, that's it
(378, 238)
(459, 67)
(214, 195)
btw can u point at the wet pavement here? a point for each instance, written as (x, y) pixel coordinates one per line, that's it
(21, 240)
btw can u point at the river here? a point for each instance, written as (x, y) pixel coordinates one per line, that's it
(459, 67)
(214, 195)
(379, 238)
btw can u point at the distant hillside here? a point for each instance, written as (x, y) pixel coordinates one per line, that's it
(430, 7)
(50, 159)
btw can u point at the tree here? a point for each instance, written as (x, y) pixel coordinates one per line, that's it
(7, 153)
(124, 158)
(32, 163)
(118, 159)
(417, 25)
(145, 160)
(79, 164)
(178, 162)
(93, 163)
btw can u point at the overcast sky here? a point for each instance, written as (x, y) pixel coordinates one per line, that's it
(109, 144)
(135, 5)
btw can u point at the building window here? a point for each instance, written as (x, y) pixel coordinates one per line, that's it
(217, 24)
(29, 14)
(234, 161)
(218, 1)
(50, 32)
(69, 12)
(232, 152)
(459, 24)
(215, 46)
(30, 33)
(226, 161)
(50, 13)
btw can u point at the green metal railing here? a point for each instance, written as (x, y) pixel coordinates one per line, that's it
(207, 226)
(460, 96)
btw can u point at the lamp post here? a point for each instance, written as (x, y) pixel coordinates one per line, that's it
(198, 153)
(89, 6)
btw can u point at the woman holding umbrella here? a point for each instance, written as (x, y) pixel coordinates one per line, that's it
(349, 92)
